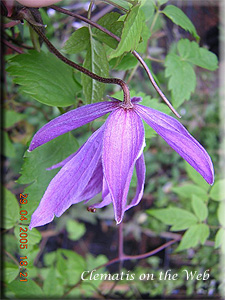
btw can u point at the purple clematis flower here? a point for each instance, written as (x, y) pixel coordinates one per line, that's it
(107, 160)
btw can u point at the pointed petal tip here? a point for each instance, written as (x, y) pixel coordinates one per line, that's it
(119, 220)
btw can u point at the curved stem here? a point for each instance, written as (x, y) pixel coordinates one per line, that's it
(126, 101)
(67, 12)
(126, 257)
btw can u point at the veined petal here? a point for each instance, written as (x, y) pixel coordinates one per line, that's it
(105, 196)
(71, 120)
(70, 182)
(122, 144)
(177, 136)
(140, 170)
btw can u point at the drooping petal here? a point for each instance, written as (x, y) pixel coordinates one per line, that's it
(71, 120)
(122, 144)
(70, 182)
(177, 136)
(140, 170)
(105, 196)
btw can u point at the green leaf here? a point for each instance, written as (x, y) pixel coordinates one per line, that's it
(219, 238)
(126, 62)
(196, 177)
(131, 33)
(199, 207)
(8, 147)
(45, 78)
(186, 191)
(177, 16)
(35, 163)
(96, 62)
(190, 51)
(111, 23)
(28, 289)
(11, 117)
(33, 236)
(193, 236)
(10, 272)
(75, 230)
(180, 219)
(11, 210)
(78, 41)
(50, 282)
(148, 8)
(220, 213)
(182, 79)
(217, 190)
(121, 3)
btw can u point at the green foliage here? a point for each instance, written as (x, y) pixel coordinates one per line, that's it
(131, 33)
(121, 4)
(110, 22)
(11, 210)
(193, 236)
(11, 117)
(179, 218)
(22, 289)
(45, 78)
(11, 272)
(182, 82)
(188, 190)
(97, 63)
(75, 229)
(35, 163)
(190, 51)
(78, 41)
(216, 192)
(199, 207)
(178, 17)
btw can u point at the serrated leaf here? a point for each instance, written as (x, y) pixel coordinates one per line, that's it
(196, 177)
(180, 219)
(131, 33)
(28, 289)
(186, 191)
(127, 62)
(219, 238)
(45, 78)
(111, 23)
(190, 51)
(96, 62)
(33, 236)
(193, 236)
(199, 207)
(34, 171)
(177, 16)
(11, 210)
(10, 272)
(78, 41)
(50, 282)
(75, 230)
(217, 190)
(182, 78)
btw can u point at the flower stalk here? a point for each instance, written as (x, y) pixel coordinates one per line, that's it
(135, 53)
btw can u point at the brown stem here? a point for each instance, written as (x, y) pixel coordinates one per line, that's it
(126, 101)
(14, 48)
(126, 257)
(67, 12)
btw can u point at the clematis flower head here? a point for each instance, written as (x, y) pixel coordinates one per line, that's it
(106, 162)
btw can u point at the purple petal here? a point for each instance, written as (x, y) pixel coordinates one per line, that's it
(140, 170)
(177, 136)
(71, 120)
(133, 100)
(122, 144)
(105, 196)
(70, 182)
